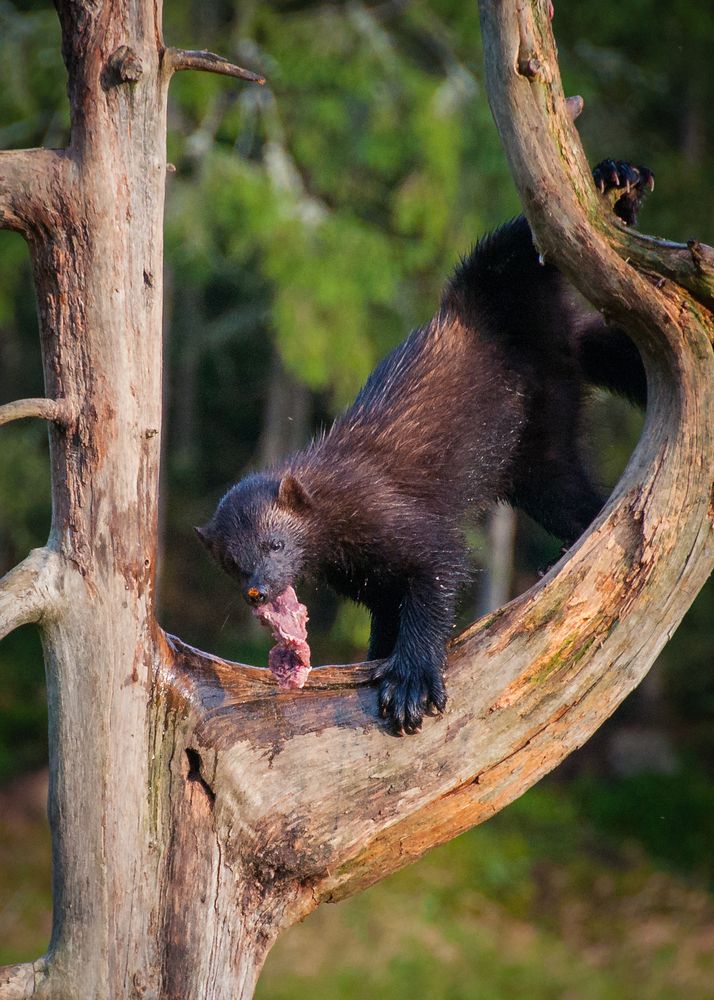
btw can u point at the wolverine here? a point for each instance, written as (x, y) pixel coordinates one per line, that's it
(481, 404)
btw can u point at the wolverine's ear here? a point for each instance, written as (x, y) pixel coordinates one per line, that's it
(205, 535)
(292, 495)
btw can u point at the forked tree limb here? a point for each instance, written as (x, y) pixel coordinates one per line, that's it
(531, 116)
(340, 801)
(195, 809)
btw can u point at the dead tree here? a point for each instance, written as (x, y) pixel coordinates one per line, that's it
(195, 810)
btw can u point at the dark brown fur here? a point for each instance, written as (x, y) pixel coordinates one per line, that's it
(483, 403)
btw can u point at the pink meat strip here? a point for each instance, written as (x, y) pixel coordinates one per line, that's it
(289, 659)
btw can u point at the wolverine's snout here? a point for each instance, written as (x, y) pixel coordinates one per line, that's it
(257, 595)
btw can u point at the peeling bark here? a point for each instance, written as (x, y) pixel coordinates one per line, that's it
(197, 810)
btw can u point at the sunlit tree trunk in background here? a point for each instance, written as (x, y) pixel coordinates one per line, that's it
(287, 415)
(196, 811)
(501, 526)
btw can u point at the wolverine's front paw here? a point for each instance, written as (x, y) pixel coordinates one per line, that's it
(407, 691)
(634, 182)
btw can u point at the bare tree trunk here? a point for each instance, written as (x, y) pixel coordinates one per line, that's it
(501, 534)
(196, 811)
(287, 414)
(93, 216)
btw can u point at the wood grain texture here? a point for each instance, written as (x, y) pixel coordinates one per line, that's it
(26, 178)
(197, 810)
(30, 592)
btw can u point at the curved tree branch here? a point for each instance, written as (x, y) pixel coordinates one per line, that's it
(58, 411)
(543, 121)
(310, 785)
(208, 62)
(205, 810)
(30, 590)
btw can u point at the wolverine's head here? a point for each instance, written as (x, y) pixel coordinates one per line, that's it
(257, 532)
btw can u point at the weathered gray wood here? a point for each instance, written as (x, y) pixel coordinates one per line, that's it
(56, 410)
(96, 244)
(30, 591)
(196, 810)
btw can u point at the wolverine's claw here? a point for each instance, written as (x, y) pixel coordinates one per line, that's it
(407, 692)
(618, 175)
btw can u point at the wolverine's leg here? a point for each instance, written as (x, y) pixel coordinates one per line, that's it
(385, 627)
(560, 497)
(410, 679)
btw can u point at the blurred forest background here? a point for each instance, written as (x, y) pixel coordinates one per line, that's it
(309, 225)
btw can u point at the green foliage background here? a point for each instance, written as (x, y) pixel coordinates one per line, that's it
(309, 225)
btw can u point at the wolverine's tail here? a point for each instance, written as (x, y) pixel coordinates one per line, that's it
(608, 358)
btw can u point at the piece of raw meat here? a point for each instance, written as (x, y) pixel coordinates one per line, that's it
(286, 617)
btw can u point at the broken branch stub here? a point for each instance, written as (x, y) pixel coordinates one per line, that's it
(208, 62)
(57, 411)
(30, 591)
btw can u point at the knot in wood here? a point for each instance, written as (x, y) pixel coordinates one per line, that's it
(530, 67)
(123, 66)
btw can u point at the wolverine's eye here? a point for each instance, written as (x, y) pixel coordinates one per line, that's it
(276, 544)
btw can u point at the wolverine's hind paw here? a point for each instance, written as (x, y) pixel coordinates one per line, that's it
(632, 181)
(407, 693)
